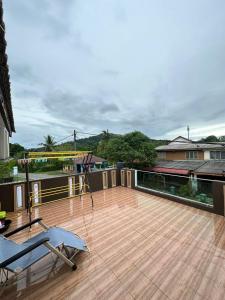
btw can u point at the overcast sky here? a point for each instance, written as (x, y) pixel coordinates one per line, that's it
(121, 65)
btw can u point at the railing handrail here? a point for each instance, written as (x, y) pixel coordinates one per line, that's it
(181, 176)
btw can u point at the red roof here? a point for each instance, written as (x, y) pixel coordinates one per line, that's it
(170, 170)
(94, 159)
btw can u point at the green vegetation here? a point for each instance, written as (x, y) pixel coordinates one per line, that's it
(49, 143)
(42, 166)
(135, 149)
(16, 150)
(86, 144)
(213, 139)
(5, 171)
(185, 190)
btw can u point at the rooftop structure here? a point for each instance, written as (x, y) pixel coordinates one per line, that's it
(181, 165)
(212, 168)
(94, 160)
(183, 156)
(141, 247)
(181, 143)
(76, 165)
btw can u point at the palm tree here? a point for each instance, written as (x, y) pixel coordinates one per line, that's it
(105, 135)
(49, 143)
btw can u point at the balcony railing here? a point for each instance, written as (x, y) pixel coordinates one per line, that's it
(188, 188)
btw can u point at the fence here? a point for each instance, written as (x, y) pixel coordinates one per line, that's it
(12, 195)
(197, 192)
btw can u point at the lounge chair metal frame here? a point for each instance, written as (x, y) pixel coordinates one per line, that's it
(4, 271)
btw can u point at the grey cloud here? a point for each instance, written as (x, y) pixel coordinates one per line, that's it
(86, 109)
(45, 14)
(111, 73)
(23, 72)
(117, 64)
(108, 107)
(26, 93)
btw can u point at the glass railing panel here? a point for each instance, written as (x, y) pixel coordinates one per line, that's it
(190, 188)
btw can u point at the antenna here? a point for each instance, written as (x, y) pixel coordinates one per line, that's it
(188, 131)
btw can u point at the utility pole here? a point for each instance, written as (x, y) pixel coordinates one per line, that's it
(188, 130)
(74, 140)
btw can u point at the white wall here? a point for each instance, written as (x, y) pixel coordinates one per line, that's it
(4, 140)
(206, 155)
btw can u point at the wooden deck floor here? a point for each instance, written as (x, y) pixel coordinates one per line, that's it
(141, 247)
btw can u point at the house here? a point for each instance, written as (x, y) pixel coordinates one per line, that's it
(185, 157)
(77, 165)
(6, 114)
(183, 149)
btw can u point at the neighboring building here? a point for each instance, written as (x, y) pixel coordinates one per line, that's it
(6, 114)
(96, 163)
(185, 157)
(184, 149)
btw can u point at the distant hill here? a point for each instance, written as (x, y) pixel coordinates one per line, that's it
(90, 143)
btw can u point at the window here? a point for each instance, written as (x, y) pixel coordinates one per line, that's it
(192, 155)
(217, 154)
(161, 155)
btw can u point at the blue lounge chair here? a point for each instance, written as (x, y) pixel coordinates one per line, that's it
(16, 258)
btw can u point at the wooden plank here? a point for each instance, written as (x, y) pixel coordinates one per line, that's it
(141, 246)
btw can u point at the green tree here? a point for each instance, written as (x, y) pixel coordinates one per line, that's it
(6, 169)
(135, 149)
(16, 150)
(135, 139)
(148, 154)
(222, 138)
(102, 145)
(210, 139)
(118, 149)
(105, 135)
(49, 143)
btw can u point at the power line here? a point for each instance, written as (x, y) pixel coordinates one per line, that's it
(34, 145)
(63, 139)
(89, 133)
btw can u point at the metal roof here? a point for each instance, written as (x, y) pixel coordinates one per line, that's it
(190, 165)
(189, 146)
(216, 167)
(212, 167)
(170, 170)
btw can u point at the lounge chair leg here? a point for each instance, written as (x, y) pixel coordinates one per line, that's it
(43, 225)
(60, 255)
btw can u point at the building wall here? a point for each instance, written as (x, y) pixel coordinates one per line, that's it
(4, 140)
(206, 155)
(179, 155)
